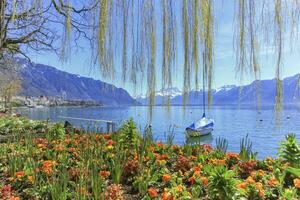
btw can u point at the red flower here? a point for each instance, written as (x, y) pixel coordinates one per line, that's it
(110, 142)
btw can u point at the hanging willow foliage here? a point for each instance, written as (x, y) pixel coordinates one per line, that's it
(66, 45)
(186, 46)
(195, 43)
(150, 39)
(103, 18)
(125, 10)
(207, 38)
(278, 41)
(168, 56)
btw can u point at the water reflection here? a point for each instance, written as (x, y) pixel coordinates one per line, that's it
(205, 139)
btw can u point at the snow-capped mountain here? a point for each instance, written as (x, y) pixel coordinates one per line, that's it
(246, 95)
(170, 92)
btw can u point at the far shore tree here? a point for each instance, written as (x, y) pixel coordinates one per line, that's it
(128, 29)
(10, 83)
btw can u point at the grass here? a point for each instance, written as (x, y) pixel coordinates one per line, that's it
(42, 161)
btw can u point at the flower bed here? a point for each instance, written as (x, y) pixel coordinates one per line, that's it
(125, 165)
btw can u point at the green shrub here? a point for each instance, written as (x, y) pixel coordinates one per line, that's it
(56, 132)
(290, 151)
(222, 183)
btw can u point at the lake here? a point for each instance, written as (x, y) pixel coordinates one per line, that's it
(230, 122)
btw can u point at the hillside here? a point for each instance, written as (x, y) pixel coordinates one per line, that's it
(39, 79)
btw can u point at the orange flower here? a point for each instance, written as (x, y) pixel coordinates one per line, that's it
(159, 144)
(197, 173)
(272, 182)
(152, 192)
(107, 136)
(250, 180)
(166, 177)
(47, 166)
(175, 147)
(59, 148)
(242, 185)
(41, 146)
(218, 161)
(204, 180)
(193, 158)
(14, 198)
(192, 180)
(104, 174)
(297, 183)
(260, 188)
(20, 174)
(166, 196)
(197, 168)
(232, 155)
(30, 179)
(72, 149)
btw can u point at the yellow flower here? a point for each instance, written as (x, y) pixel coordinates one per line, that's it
(109, 147)
(179, 188)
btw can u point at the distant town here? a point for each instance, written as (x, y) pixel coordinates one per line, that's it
(44, 101)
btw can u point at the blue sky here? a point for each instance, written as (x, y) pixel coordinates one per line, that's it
(224, 61)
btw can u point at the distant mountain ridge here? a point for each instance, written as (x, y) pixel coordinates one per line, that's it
(236, 95)
(39, 79)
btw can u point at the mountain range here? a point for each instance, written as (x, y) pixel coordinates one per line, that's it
(235, 95)
(44, 80)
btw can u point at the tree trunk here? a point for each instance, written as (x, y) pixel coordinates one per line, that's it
(2, 22)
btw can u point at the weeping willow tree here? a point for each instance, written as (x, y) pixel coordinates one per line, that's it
(169, 48)
(125, 36)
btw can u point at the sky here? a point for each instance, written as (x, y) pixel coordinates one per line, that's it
(224, 57)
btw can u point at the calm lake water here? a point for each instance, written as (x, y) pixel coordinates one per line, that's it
(231, 123)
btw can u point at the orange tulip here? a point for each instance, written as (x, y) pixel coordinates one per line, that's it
(152, 192)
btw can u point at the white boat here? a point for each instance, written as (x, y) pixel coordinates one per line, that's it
(200, 128)
(205, 125)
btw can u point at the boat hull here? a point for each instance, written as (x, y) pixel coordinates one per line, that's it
(198, 132)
